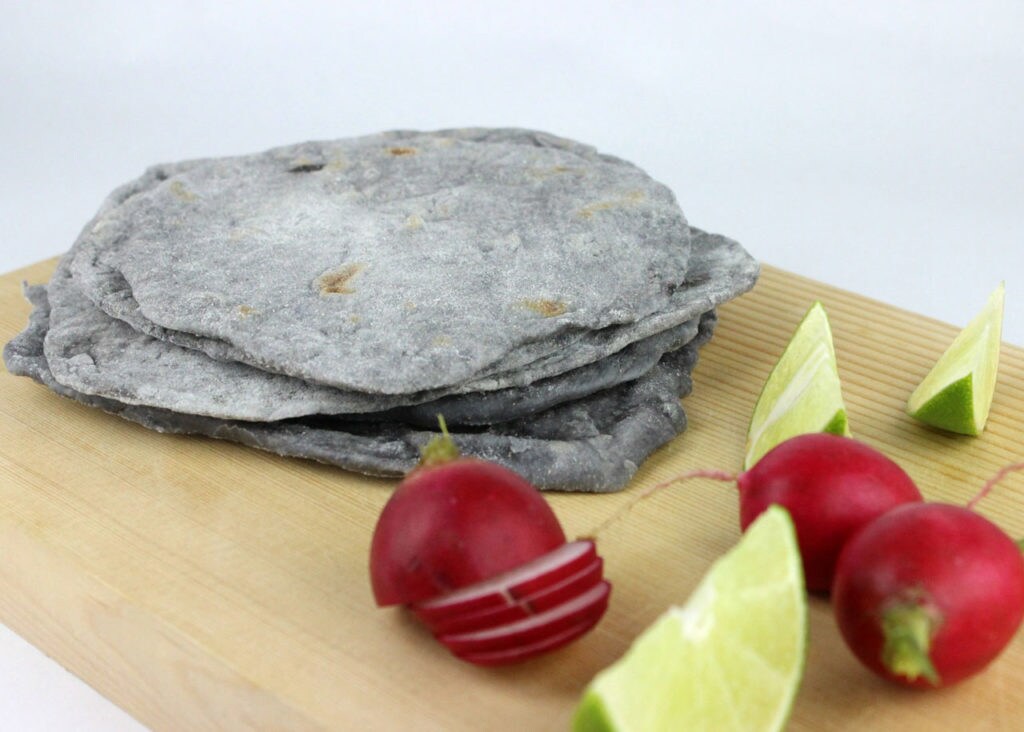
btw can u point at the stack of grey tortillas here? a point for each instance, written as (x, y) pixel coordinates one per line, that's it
(328, 300)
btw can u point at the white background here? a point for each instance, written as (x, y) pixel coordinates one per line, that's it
(876, 145)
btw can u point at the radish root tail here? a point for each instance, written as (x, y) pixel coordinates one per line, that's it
(986, 489)
(646, 493)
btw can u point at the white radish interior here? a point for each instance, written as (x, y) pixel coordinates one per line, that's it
(543, 599)
(524, 651)
(533, 628)
(504, 588)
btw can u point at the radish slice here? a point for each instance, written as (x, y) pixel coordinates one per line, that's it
(534, 629)
(522, 607)
(524, 652)
(501, 590)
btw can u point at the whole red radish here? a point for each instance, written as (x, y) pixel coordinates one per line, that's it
(478, 555)
(456, 523)
(929, 594)
(831, 486)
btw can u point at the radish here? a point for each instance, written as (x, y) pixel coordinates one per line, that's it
(534, 586)
(830, 485)
(477, 554)
(583, 609)
(930, 593)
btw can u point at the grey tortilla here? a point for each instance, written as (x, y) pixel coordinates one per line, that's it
(719, 269)
(592, 444)
(396, 263)
(92, 353)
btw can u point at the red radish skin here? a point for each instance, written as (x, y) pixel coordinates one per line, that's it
(451, 525)
(929, 594)
(832, 486)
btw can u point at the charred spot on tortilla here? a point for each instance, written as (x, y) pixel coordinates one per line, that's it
(546, 308)
(542, 173)
(628, 199)
(337, 281)
(180, 191)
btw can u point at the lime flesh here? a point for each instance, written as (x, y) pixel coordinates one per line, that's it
(730, 659)
(956, 395)
(802, 393)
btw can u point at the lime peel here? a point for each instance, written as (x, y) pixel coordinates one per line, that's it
(956, 395)
(802, 393)
(730, 659)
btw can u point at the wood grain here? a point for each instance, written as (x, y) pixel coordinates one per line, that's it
(203, 585)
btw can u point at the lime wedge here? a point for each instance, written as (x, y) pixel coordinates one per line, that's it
(802, 393)
(957, 393)
(730, 659)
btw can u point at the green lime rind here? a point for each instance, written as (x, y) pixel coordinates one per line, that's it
(731, 658)
(591, 714)
(951, 408)
(838, 425)
(956, 395)
(802, 393)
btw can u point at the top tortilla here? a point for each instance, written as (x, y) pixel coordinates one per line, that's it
(90, 352)
(392, 263)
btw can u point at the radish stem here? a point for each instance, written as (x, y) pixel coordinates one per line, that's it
(440, 449)
(908, 630)
(646, 493)
(985, 489)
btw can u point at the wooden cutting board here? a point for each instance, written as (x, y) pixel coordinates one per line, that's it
(203, 585)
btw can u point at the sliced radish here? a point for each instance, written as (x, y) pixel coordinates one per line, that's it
(501, 590)
(516, 654)
(534, 629)
(522, 607)
(455, 522)
(478, 555)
